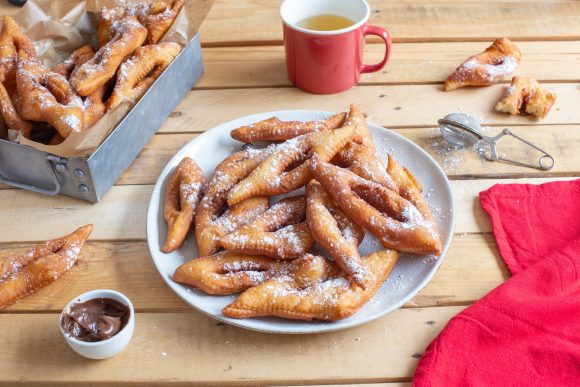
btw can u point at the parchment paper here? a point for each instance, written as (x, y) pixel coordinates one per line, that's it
(58, 27)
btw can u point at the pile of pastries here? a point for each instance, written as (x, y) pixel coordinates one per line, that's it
(281, 223)
(498, 62)
(50, 104)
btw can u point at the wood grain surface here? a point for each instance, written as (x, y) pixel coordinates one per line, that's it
(245, 74)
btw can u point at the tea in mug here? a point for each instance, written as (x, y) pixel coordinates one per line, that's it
(326, 22)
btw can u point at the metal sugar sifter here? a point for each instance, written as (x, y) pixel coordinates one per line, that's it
(464, 130)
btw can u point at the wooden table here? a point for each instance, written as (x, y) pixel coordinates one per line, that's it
(245, 74)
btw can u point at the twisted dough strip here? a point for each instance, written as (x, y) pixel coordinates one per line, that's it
(495, 64)
(48, 97)
(335, 232)
(526, 95)
(210, 223)
(281, 232)
(227, 273)
(156, 16)
(273, 129)
(76, 59)
(313, 288)
(107, 17)
(136, 75)
(25, 273)
(182, 196)
(390, 218)
(271, 176)
(12, 40)
(11, 117)
(93, 104)
(129, 34)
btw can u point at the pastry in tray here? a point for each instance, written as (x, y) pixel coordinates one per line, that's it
(26, 272)
(281, 223)
(52, 104)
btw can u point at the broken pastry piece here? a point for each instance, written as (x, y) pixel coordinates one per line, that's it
(25, 273)
(525, 95)
(495, 64)
(313, 288)
(227, 273)
(182, 196)
(280, 233)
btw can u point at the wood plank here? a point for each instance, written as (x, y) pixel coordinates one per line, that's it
(393, 106)
(195, 349)
(410, 63)
(128, 268)
(258, 21)
(121, 215)
(559, 141)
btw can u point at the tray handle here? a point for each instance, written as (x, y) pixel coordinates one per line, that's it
(33, 188)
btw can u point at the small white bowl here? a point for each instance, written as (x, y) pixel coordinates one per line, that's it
(106, 348)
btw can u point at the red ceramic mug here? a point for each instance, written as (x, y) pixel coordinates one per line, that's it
(326, 62)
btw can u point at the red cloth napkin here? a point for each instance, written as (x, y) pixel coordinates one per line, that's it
(526, 332)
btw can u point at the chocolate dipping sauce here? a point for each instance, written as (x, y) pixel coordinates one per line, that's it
(95, 320)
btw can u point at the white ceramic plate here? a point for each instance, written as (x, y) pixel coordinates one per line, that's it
(409, 276)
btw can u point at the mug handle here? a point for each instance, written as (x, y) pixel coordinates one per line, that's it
(384, 34)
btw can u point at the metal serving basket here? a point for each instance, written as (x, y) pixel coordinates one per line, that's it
(91, 178)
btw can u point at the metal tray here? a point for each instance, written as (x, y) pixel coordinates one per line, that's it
(91, 178)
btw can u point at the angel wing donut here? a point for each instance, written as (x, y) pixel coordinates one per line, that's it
(129, 34)
(182, 196)
(107, 17)
(273, 129)
(12, 40)
(281, 232)
(272, 176)
(313, 288)
(495, 64)
(526, 95)
(136, 75)
(11, 117)
(390, 218)
(335, 232)
(227, 272)
(156, 16)
(25, 273)
(211, 222)
(48, 97)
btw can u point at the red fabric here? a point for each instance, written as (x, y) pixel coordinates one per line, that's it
(526, 332)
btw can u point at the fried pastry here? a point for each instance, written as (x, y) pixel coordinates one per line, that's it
(129, 34)
(273, 129)
(213, 220)
(313, 288)
(107, 17)
(526, 95)
(12, 40)
(137, 74)
(48, 97)
(495, 64)
(335, 232)
(288, 167)
(393, 220)
(11, 117)
(25, 273)
(227, 272)
(76, 59)
(281, 232)
(156, 16)
(409, 188)
(182, 196)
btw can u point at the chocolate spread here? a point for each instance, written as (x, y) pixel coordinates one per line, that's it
(95, 320)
